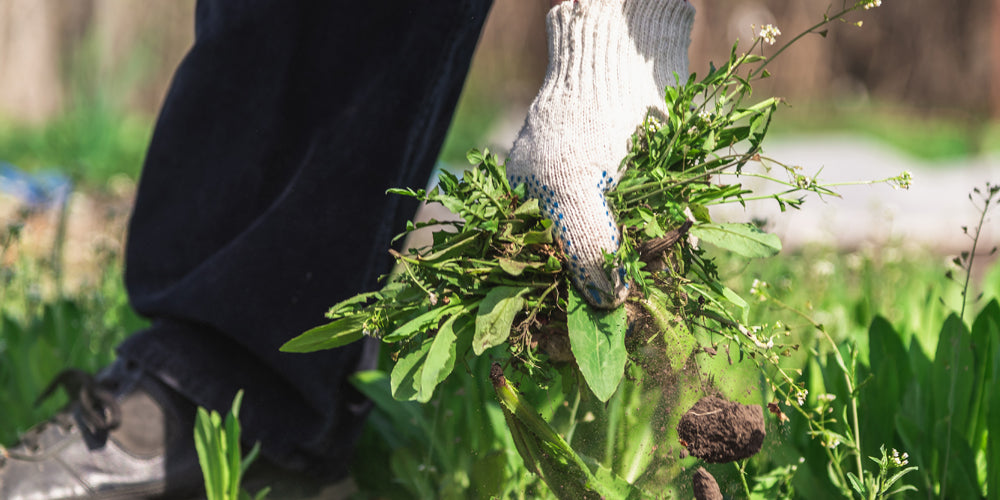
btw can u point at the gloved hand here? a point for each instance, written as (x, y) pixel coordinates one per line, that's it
(609, 62)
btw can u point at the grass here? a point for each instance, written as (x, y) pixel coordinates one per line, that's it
(90, 143)
(427, 447)
(43, 331)
(933, 137)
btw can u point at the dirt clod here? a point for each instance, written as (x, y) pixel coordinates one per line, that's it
(718, 431)
(705, 487)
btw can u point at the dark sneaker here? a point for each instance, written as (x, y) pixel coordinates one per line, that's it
(124, 435)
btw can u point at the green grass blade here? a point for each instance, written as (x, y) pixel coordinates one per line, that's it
(233, 454)
(334, 334)
(206, 444)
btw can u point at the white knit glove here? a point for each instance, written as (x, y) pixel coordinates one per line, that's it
(609, 62)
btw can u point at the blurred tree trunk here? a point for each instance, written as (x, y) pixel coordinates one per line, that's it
(56, 52)
(30, 88)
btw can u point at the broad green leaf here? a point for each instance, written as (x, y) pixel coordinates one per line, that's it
(537, 237)
(454, 246)
(952, 374)
(529, 208)
(495, 317)
(407, 370)
(955, 453)
(334, 334)
(700, 212)
(420, 324)
(475, 156)
(597, 339)
(993, 406)
(890, 367)
(985, 335)
(516, 267)
(440, 357)
(348, 305)
(744, 239)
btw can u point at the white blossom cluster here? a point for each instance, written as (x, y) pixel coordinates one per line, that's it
(899, 460)
(770, 32)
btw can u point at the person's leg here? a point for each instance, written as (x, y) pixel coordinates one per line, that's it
(262, 200)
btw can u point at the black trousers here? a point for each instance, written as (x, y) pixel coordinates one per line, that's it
(262, 200)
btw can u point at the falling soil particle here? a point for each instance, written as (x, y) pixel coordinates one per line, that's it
(705, 487)
(718, 431)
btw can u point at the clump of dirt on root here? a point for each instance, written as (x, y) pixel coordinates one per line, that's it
(718, 431)
(705, 486)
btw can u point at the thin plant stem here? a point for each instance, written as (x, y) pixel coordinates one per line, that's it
(826, 20)
(572, 416)
(741, 467)
(848, 379)
(972, 254)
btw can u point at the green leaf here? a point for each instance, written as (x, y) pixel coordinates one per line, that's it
(542, 236)
(421, 324)
(474, 156)
(495, 317)
(856, 484)
(406, 419)
(547, 454)
(993, 412)
(744, 239)
(529, 208)
(232, 436)
(597, 339)
(955, 453)
(349, 305)
(205, 443)
(952, 375)
(890, 367)
(440, 357)
(402, 381)
(985, 335)
(335, 334)
(516, 267)
(490, 474)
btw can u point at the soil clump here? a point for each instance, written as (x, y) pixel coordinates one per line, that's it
(719, 431)
(705, 486)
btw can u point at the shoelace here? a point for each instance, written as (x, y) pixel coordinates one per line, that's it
(99, 411)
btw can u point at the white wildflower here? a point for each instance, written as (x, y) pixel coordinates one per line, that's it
(871, 4)
(831, 441)
(899, 460)
(769, 33)
(902, 181)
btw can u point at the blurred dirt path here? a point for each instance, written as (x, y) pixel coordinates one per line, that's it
(930, 214)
